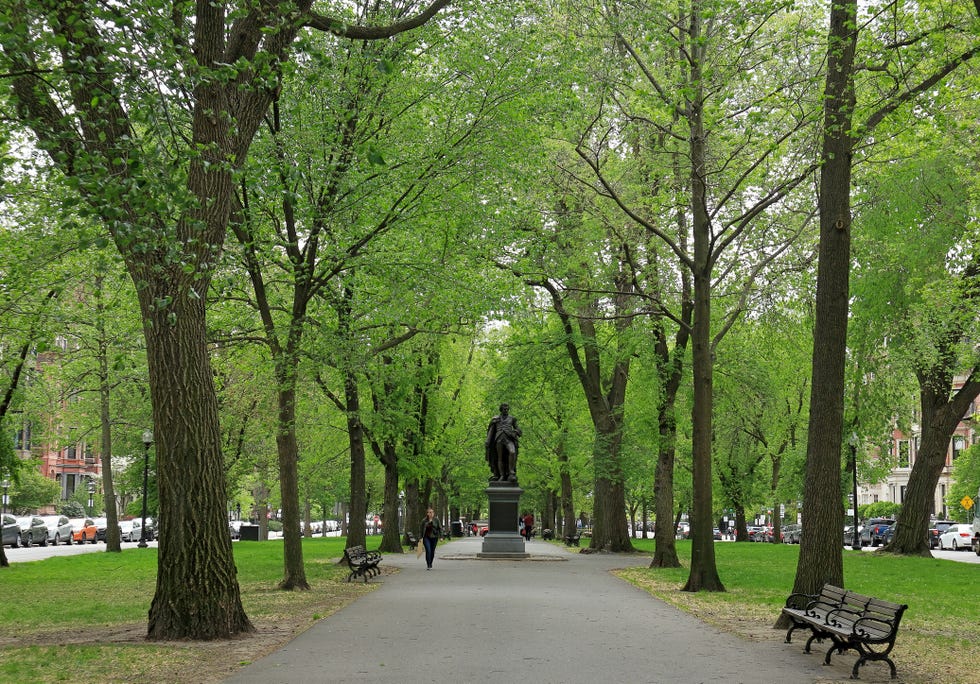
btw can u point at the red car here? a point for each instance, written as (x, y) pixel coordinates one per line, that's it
(83, 530)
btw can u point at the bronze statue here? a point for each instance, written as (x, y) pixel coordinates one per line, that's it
(502, 447)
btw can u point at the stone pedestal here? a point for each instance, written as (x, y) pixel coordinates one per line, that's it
(502, 539)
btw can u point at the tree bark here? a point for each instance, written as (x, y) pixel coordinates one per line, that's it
(294, 573)
(195, 554)
(821, 551)
(356, 532)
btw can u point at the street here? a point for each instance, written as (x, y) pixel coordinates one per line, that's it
(41, 552)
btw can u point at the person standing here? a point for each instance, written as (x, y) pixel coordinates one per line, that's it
(431, 531)
(528, 526)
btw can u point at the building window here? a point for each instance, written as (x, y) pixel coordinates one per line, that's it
(903, 454)
(959, 443)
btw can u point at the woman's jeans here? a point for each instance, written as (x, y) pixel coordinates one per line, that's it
(430, 550)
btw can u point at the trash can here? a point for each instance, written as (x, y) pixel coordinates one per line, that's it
(249, 533)
(456, 528)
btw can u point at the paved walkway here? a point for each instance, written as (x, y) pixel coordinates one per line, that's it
(559, 617)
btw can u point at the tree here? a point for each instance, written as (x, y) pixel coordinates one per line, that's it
(729, 195)
(925, 313)
(820, 548)
(157, 168)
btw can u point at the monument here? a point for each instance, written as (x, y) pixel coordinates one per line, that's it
(502, 539)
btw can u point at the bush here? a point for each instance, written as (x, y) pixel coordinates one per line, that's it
(72, 509)
(879, 509)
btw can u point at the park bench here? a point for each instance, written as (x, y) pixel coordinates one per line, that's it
(547, 534)
(410, 540)
(850, 620)
(362, 563)
(572, 539)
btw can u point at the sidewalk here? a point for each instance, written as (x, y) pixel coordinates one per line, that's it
(558, 617)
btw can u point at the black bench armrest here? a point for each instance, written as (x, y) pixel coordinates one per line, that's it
(800, 601)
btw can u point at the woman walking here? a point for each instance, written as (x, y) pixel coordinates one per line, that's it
(431, 530)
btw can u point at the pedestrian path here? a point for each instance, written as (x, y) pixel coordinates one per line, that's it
(558, 617)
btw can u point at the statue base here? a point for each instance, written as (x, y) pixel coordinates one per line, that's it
(502, 539)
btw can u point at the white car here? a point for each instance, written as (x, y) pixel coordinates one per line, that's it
(956, 537)
(129, 530)
(59, 529)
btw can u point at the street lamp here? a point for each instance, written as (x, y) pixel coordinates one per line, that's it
(91, 497)
(853, 442)
(147, 441)
(6, 500)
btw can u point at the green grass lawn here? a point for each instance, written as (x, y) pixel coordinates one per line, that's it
(83, 618)
(942, 618)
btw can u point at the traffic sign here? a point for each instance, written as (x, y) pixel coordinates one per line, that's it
(966, 502)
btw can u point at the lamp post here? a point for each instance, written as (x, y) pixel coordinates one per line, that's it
(91, 497)
(853, 442)
(147, 441)
(6, 500)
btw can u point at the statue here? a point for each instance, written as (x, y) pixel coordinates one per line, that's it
(501, 446)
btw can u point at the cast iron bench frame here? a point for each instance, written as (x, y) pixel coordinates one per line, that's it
(850, 620)
(362, 563)
(572, 539)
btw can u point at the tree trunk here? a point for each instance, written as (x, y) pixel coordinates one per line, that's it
(112, 541)
(609, 528)
(197, 594)
(665, 548)
(741, 526)
(670, 367)
(704, 572)
(356, 532)
(294, 574)
(390, 537)
(821, 550)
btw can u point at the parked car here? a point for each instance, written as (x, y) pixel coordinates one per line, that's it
(849, 536)
(234, 528)
(33, 530)
(11, 531)
(956, 537)
(938, 527)
(84, 530)
(874, 530)
(59, 528)
(130, 530)
(100, 527)
(791, 533)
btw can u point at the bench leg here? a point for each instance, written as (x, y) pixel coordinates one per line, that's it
(866, 656)
(813, 637)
